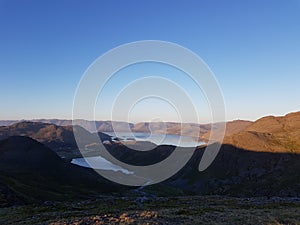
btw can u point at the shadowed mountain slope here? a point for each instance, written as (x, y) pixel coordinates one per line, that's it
(256, 159)
(33, 172)
(240, 172)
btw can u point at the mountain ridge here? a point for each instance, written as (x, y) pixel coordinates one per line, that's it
(256, 159)
(271, 134)
(200, 131)
(35, 173)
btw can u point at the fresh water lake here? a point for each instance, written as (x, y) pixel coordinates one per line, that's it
(98, 162)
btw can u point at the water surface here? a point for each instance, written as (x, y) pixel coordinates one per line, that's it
(159, 139)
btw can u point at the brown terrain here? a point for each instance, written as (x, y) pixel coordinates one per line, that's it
(58, 138)
(185, 129)
(232, 127)
(253, 180)
(270, 134)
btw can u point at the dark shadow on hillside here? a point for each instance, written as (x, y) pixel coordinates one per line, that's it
(240, 172)
(31, 172)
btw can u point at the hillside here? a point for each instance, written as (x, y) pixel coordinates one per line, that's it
(201, 131)
(256, 159)
(58, 138)
(31, 172)
(239, 172)
(270, 134)
(232, 127)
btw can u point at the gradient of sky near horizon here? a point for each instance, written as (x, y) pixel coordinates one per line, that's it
(253, 48)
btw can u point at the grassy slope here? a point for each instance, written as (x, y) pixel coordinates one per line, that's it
(35, 173)
(270, 134)
(175, 210)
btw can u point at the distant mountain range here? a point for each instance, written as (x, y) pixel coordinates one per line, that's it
(201, 131)
(58, 138)
(266, 134)
(256, 159)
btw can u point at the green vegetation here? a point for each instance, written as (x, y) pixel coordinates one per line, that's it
(174, 210)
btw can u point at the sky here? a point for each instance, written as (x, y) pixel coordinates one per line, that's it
(252, 47)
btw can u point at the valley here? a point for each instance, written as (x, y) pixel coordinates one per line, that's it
(253, 174)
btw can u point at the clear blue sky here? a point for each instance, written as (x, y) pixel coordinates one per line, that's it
(253, 47)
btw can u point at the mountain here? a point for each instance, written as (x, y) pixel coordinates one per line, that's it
(58, 138)
(256, 159)
(8, 122)
(270, 134)
(183, 129)
(201, 131)
(31, 172)
(241, 172)
(232, 127)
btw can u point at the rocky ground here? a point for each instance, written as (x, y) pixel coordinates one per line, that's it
(159, 210)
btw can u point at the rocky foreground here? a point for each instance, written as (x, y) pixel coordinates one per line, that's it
(159, 210)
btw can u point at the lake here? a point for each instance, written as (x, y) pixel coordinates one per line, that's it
(159, 139)
(98, 162)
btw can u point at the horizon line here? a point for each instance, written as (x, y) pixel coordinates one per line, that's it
(123, 121)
